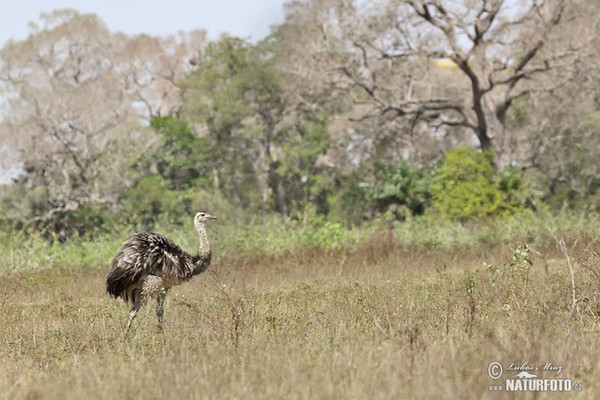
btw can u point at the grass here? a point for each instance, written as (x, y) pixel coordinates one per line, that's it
(388, 318)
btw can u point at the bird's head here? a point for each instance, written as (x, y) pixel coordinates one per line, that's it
(201, 217)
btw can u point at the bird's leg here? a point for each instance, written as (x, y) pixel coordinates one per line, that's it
(160, 301)
(137, 303)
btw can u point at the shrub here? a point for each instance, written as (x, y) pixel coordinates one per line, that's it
(402, 189)
(469, 186)
(465, 186)
(517, 190)
(148, 200)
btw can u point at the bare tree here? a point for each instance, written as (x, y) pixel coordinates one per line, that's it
(455, 65)
(77, 100)
(554, 132)
(153, 68)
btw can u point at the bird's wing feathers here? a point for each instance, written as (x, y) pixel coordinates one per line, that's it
(164, 256)
(146, 254)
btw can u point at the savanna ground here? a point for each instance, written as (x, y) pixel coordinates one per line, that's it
(380, 319)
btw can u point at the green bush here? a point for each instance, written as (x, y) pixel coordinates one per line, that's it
(90, 221)
(150, 199)
(469, 186)
(402, 189)
(465, 186)
(517, 190)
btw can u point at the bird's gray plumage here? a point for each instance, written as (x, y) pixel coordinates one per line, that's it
(149, 264)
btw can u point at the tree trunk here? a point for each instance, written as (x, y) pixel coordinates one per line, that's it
(282, 199)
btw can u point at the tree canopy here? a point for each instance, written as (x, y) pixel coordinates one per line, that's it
(348, 109)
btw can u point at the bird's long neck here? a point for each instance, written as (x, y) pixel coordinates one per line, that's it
(204, 244)
(202, 261)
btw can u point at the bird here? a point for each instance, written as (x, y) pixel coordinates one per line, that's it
(149, 264)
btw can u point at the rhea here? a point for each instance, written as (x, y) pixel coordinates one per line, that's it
(149, 264)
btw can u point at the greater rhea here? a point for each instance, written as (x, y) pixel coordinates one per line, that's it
(149, 264)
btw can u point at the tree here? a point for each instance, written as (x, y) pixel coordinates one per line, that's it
(441, 67)
(558, 130)
(235, 113)
(73, 122)
(150, 69)
(181, 157)
(259, 148)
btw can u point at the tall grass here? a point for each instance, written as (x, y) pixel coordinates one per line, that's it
(273, 237)
(380, 319)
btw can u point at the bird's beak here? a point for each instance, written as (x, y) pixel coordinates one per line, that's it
(212, 217)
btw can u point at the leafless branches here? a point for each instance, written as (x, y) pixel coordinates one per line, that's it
(74, 93)
(493, 52)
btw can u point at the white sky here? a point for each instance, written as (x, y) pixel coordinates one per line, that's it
(247, 19)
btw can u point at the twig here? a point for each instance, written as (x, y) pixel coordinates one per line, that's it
(574, 306)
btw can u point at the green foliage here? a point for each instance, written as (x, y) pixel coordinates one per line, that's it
(304, 181)
(465, 188)
(150, 199)
(521, 258)
(262, 148)
(236, 94)
(346, 202)
(468, 186)
(182, 155)
(517, 190)
(237, 234)
(403, 188)
(305, 229)
(90, 221)
(328, 235)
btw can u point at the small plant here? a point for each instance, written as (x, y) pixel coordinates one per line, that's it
(470, 283)
(521, 261)
(492, 269)
(236, 306)
(272, 321)
(10, 281)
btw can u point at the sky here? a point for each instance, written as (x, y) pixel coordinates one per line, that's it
(247, 19)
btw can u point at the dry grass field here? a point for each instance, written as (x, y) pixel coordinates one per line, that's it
(380, 321)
